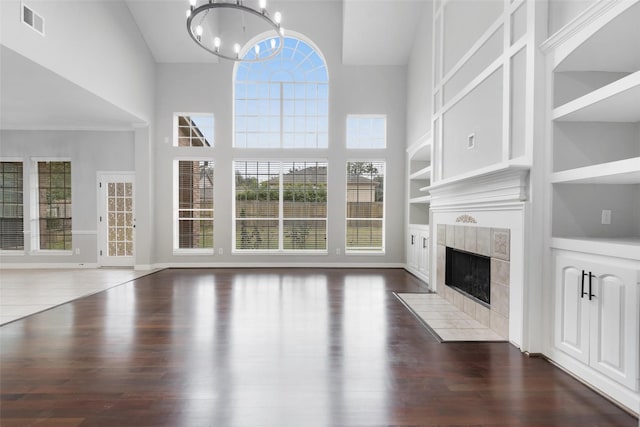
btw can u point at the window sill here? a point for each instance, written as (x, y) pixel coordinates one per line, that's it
(278, 252)
(55, 252)
(6, 252)
(183, 252)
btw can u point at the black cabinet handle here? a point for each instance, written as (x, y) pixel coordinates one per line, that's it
(591, 295)
(582, 292)
(424, 243)
(412, 238)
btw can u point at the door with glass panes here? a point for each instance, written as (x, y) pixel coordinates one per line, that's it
(116, 220)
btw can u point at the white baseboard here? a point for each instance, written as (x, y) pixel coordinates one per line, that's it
(271, 265)
(46, 265)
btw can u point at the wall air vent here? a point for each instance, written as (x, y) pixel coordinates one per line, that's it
(32, 19)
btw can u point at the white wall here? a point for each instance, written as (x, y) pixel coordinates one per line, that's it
(94, 44)
(419, 71)
(353, 90)
(89, 152)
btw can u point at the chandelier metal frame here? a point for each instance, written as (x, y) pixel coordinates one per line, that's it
(202, 10)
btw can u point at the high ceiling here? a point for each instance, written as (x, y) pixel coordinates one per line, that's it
(374, 32)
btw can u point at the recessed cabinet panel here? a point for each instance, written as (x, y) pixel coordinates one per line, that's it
(572, 326)
(613, 330)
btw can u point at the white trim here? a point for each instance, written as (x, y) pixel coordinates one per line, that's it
(8, 252)
(56, 128)
(583, 22)
(498, 186)
(274, 265)
(50, 252)
(47, 265)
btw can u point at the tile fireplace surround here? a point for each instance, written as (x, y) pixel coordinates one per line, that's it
(491, 242)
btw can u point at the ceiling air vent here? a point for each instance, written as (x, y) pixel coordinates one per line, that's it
(32, 19)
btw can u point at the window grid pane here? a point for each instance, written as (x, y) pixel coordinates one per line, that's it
(366, 132)
(195, 130)
(283, 102)
(195, 204)
(54, 205)
(11, 206)
(365, 206)
(295, 221)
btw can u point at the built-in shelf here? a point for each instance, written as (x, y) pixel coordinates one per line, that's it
(421, 199)
(424, 173)
(615, 102)
(625, 171)
(627, 247)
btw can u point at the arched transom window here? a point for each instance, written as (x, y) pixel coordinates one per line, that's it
(283, 102)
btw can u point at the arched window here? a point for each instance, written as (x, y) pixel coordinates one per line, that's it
(282, 102)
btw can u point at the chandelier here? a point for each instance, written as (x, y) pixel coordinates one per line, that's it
(223, 27)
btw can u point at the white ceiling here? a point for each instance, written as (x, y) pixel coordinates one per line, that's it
(375, 32)
(34, 97)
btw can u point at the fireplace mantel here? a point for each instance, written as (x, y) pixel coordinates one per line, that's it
(489, 187)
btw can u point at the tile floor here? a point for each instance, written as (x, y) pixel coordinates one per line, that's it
(25, 292)
(446, 320)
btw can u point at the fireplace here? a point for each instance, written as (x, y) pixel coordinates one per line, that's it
(470, 274)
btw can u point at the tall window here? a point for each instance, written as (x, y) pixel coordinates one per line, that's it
(193, 130)
(365, 207)
(194, 227)
(280, 206)
(11, 206)
(366, 131)
(282, 102)
(54, 205)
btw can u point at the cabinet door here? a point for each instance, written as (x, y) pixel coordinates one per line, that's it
(571, 309)
(423, 252)
(614, 324)
(412, 249)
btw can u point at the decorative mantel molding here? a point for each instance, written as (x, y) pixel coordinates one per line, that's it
(500, 186)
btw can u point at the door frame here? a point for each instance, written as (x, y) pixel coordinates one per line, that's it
(101, 229)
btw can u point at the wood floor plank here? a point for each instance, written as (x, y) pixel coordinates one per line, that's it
(271, 347)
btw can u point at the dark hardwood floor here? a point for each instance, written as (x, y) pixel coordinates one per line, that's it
(271, 347)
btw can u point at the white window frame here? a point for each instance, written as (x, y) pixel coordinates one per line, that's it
(365, 116)
(35, 206)
(281, 218)
(314, 47)
(177, 250)
(359, 251)
(176, 127)
(25, 218)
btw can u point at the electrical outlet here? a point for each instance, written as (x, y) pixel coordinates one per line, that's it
(471, 141)
(337, 251)
(220, 251)
(77, 251)
(606, 216)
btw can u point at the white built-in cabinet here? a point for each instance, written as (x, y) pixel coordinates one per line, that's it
(419, 178)
(593, 153)
(596, 313)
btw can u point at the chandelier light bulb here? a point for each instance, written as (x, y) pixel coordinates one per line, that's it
(265, 50)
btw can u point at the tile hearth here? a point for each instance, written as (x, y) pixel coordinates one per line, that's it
(445, 320)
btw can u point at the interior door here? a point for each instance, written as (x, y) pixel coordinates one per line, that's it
(116, 219)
